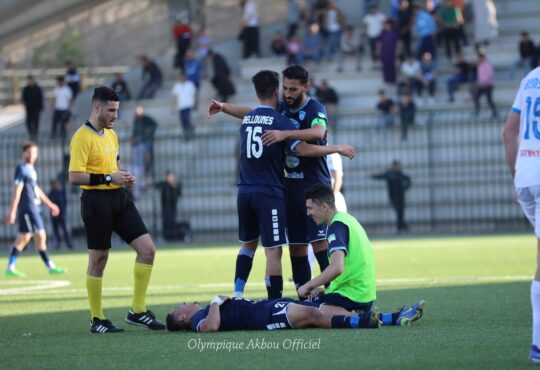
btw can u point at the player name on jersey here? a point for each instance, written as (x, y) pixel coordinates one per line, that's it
(258, 120)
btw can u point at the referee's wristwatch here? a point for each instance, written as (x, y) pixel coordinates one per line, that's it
(108, 179)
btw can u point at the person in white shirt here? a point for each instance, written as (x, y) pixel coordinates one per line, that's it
(522, 149)
(249, 34)
(62, 105)
(373, 26)
(183, 101)
(410, 76)
(335, 166)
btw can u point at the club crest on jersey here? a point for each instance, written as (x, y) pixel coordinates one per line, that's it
(292, 161)
(322, 115)
(302, 115)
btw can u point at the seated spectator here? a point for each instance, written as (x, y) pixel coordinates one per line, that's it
(410, 76)
(152, 77)
(329, 97)
(484, 84)
(428, 77)
(527, 53)
(350, 45)
(278, 44)
(120, 86)
(407, 111)
(294, 51)
(461, 75)
(312, 44)
(221, 79)
(386, 111)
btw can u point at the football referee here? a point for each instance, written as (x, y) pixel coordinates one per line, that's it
(106, 207)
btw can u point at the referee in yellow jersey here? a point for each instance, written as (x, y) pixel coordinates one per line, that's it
(106, 207)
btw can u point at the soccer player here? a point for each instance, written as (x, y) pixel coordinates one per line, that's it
(522, 148)
(224, 314)
(106, 207)
(300, 173)
(351, 273)
(26, 208)
(261, 187)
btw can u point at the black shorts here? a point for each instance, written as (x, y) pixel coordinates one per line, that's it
(105, 211)
(335, 299)
(301, 229)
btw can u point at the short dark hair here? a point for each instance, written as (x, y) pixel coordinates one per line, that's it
(104, 94)
(173, 324)
(28, 145)
(296, 72)
(266, 83)
(60, 78)
(321, 193)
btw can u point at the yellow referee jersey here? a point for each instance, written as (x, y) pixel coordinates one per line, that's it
(94, 152)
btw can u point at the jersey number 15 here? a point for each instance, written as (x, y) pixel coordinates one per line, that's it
(536, 112)
(254, 145)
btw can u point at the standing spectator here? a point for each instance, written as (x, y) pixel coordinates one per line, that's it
(398, 183)
(312, 48)
(484, 84)
(461, 75)
(204, 42)
(25, 207)
(485, 22)
(63, 98)
(120, 86)
(294, 51)
(193, 69)
(426, 30)
(410, 76)
(373, 26)
(407, 112)
(249, 34)
(428, 80)
(171, 191)
(527, 52)
(451, 19)
(385, 106)
(293, 17)
(278, 45)
(151, 76)
(404, 25)
(329, 97)
(389, 46)
(334, 19)
(335, 167)
(350, 45)
(73, 79)
(142, 147)
(183, 100)
(57, 195)
(32, 98)
(182, 34)
(221, 79)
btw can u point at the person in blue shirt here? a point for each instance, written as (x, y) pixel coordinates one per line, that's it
(426, 29)
(26, 208)
(226, 314)
(261, 187)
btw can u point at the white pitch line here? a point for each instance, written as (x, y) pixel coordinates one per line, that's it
(419, 282)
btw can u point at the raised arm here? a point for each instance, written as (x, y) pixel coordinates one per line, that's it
(232, 110)
(310, 150)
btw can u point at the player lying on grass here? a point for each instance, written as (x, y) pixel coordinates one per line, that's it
(350, 277)
(225, 314)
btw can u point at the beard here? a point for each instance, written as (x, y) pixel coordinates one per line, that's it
(295, 103)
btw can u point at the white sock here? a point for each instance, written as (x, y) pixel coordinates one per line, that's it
(238, 295)
(535, 302)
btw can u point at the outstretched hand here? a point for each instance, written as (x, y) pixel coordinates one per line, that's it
(214, 108)
(347, 151)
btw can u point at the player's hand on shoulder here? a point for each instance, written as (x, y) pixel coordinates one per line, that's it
(270, 137)
(347, 151)
(213, 108)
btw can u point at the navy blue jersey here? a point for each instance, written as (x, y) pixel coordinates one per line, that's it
(302, 172)
(25, 174)
(339, 237)
(261, 167)
(238, 314)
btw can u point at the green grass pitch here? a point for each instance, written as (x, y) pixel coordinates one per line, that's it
(477, 314)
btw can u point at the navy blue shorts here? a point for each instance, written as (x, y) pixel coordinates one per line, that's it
(261, 215)
(278, 312)
(30, 221)
(301, 229)
(335, 299)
